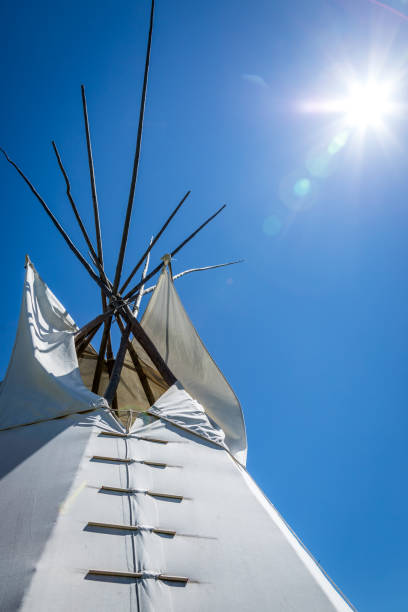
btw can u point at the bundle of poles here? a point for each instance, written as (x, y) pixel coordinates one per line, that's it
(116, 304)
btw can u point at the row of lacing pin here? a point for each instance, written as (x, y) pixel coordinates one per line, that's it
(133, 528)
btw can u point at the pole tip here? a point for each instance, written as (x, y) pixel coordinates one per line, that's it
(166, 259)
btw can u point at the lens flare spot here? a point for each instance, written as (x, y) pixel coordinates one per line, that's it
(338, 142)
(298, 192)
(272, 225)
(302, 187)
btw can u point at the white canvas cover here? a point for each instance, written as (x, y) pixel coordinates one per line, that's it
(43, 379)
(177, 407)
(229, 541)
(170, 329)
(224, 535)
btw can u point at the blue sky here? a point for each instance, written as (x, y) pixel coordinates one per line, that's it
(312, 329)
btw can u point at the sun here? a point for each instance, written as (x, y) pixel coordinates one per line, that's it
(364, 104)
(367, 105)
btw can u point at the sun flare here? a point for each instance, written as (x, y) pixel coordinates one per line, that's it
(367, 105)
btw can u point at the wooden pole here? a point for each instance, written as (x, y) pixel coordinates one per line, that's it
(132, 352)
(101, 355)
(80, 348)
(143, 339)
(92, 177)
(110, 361)
(152, 243)
(92, 253)
(99, 257)
(102, 274)
(86, 329)
(71, 200)
(125, 233)
(229, 263)
(63, 233)
(176, 250)
(117, 367)
(96, 258)
(136, 575)
(223, 265)
(134, 326)
(133, 291)
(144, 273)
(107, 344)
(138, 366)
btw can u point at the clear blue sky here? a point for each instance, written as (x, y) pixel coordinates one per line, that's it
(312, 330)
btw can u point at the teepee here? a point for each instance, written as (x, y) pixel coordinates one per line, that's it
(123, 480)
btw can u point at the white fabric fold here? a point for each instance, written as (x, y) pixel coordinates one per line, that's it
(178, 407)
(43, 379)
(169, 327)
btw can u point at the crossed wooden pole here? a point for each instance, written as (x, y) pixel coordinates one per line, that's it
(115, 304)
